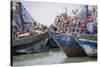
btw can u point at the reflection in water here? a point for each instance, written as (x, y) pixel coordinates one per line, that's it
(51, 57)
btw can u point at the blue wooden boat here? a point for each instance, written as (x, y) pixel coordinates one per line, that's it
(89, 44)
(69, 44)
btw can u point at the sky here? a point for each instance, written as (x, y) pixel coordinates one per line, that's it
(45, 12)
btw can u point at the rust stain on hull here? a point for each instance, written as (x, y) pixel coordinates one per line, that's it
(73, 50)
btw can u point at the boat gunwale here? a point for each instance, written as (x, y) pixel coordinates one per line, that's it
(29, 39)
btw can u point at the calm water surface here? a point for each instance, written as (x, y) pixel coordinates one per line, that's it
(51, 57)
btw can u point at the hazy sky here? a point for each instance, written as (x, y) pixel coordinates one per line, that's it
(45, 13)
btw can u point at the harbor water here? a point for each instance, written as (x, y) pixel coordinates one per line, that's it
(45, 58)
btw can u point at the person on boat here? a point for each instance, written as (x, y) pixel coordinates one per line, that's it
(18, 37)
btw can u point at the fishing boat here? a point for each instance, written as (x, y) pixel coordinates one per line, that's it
(68, 44)
(30, 44)
(89, 44)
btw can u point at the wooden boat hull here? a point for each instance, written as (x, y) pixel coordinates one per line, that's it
(73, 50)
(90, 47)
(31, 44)
(33, 47)
(69, 44)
